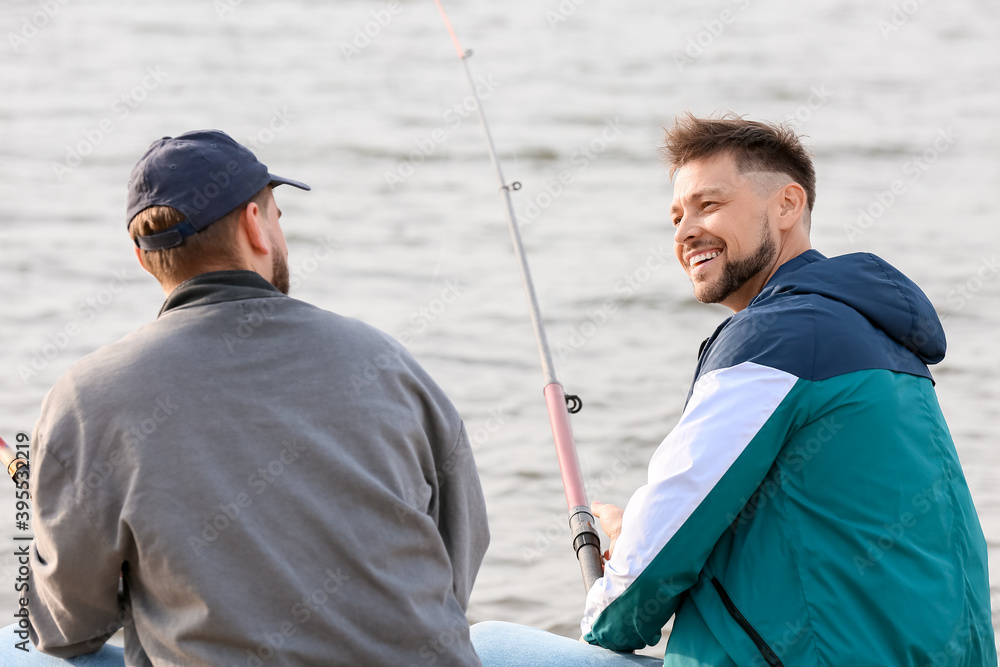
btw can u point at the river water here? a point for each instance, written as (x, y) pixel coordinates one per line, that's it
(367, 102)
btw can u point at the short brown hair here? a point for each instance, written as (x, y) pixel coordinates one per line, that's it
(754, 146)
(212, 247)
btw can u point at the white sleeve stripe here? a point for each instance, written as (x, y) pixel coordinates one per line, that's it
(727, 409)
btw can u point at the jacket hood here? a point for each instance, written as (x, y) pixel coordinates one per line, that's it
(873, 287)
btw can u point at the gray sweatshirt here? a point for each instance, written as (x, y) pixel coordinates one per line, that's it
(250, 480)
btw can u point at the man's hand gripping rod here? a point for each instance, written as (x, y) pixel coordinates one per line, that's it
(586, 541)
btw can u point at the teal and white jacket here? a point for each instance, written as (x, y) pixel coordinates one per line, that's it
(809, 508)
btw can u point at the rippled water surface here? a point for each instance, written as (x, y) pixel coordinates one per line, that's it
(404, 214)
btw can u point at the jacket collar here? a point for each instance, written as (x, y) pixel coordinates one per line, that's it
(796, 263)
(792, 265)
(219, 286)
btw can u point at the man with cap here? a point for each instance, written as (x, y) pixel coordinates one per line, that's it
(216, 484)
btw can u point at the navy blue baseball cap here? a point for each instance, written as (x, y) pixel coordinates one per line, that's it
(204, 174)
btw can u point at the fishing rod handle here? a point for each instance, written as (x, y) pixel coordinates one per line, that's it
(16, 465)
(587, 544)
(18, 470)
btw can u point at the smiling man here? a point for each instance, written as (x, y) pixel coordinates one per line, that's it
(809, 508)
(725, 239)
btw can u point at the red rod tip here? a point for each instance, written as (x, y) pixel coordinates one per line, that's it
(451, 31)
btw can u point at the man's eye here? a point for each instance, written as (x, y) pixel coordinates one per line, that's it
(677, 221)
(706, 204)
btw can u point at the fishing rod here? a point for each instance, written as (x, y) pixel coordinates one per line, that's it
(586, 541)
(14, 461)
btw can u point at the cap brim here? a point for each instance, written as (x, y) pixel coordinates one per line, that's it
(278, 180)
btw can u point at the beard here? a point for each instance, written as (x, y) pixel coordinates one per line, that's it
(736, 273)
(279, 271)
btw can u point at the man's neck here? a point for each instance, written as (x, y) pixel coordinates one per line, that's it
(169, 287)
(742, 297)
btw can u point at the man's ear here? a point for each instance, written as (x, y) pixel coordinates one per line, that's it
(792, 201)
(138, 256)
(252, 228)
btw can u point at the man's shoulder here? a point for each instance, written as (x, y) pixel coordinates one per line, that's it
(808, 335)
(788, 314)
(315, 325)
(240, 320)
(198, 339)
(797, 312)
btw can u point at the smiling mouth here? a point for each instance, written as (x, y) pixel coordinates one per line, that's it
(702, 259)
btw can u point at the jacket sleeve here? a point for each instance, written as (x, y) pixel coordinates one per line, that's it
(699, 479)
(462, 518)
(73, 597)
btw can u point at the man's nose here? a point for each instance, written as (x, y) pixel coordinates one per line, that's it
(686, 230)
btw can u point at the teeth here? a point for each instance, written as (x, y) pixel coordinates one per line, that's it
(703, 257)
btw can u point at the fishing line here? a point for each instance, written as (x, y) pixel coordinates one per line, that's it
(586, 541)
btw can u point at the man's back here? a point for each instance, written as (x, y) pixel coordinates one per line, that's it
(285, 486)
